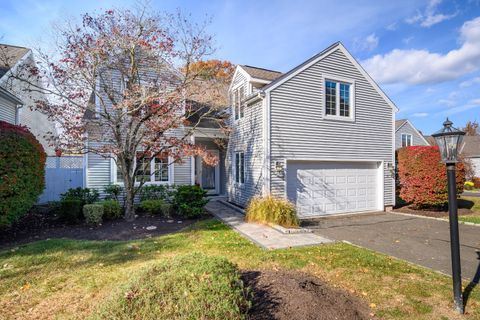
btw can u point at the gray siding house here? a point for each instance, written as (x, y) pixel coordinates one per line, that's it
(9, 106)
(320, 135)
(407, 135)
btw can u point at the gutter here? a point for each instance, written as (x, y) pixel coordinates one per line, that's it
(254, 97)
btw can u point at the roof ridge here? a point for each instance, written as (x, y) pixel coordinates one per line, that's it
(249, 66)
(12, 45)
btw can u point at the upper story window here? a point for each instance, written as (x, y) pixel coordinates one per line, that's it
(238, 95)
(339, 99)
(406, 140)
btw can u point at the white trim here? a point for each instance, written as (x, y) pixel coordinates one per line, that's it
(86, 159)
(192, 163)
(394, 182)
(199, 132)
(338, 81)
(258, 80)
(239, 182)
(239, 69)
(340, 47)
(267, 146)
(415, 129)
(381, 182)
(20, 61)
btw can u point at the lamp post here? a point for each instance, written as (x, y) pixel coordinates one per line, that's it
(449, 141)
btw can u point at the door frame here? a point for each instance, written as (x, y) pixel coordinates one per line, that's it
(217, 173)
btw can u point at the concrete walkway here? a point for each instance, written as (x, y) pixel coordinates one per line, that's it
(264, 236)
(419, 240)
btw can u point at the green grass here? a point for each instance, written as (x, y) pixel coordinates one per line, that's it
(472, 203)
(71, 279)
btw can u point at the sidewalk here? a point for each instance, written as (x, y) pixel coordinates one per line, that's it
(262, 235)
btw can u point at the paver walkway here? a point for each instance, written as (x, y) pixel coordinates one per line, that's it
(419, 240)
(262, 235)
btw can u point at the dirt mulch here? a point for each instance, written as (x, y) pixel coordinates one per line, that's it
(432, 213)
(289, 295)
(40, 224)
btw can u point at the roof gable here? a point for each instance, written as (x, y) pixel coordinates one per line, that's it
(471, 146)
(403, 122)
(10, 56)
(318, 57)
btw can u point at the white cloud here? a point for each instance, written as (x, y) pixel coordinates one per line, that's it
(422, 66)
(420, 114)
(469, 83)
(474, 101)
(430, 16)
(392, 26)
(447, 102)
(369, 43)
(407, 40)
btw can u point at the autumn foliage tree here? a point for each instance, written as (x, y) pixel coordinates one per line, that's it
(423, 177)
(127, 78)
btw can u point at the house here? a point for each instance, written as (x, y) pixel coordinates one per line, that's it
(13, 96)
(407, 135)
(471, 150)
(320, 135)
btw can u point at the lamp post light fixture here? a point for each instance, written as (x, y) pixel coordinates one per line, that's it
(449, 141)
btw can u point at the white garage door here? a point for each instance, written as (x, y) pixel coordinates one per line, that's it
(322, 188)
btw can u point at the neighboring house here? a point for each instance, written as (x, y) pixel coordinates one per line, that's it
(9, 106)
(12, 59)
(321, 135)
(407, 135)
(471, 151)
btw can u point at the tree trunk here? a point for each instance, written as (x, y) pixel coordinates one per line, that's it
(129, 199)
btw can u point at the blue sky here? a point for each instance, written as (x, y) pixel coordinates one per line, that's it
(424, 54)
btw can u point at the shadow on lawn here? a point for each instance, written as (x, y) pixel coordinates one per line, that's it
(466, 204)
(476, 278)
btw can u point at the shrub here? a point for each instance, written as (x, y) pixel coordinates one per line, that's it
(22, 171)
(111, 209)
(154, 206)
(93, 213)
(157, 192)
(423, 177)
(468, 185)
(85, 195)
(71, 210)
(192, 286)
(113, 192)
(272, 210)
(189, 201)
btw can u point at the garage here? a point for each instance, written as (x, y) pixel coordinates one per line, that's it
(325, 188)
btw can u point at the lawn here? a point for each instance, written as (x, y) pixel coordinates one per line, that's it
(58, 279)
(473, 203)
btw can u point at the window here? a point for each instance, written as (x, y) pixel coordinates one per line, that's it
(238, 108)
(160, 169)
(406, 140)
(338, 99)
(240, 167)
(155, 171)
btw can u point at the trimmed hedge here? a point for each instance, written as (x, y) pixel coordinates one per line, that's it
(93, 213)
(194, 286)
(272, 210)
(156, 206)
(111, 209)
(189, 201)
(423, 177)
(71, 210)
(22, 171)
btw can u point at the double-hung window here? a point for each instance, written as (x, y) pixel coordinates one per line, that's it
(339, 99)
(238, 95)
(240, 167)
(406, 140)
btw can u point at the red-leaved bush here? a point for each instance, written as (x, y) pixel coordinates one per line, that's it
(22, 171)
(423, 177)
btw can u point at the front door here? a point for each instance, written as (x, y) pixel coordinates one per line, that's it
(210, 176)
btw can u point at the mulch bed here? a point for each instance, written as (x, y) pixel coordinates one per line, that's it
(432, 213)
(39, 224)
(288, 295)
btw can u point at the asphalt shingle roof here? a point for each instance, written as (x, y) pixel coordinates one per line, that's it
(261, 73)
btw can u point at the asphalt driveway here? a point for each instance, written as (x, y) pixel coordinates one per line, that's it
(419, 240)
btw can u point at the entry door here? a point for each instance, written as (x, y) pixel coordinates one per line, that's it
(210, 176)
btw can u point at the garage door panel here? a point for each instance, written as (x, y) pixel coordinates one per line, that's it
(321, 188)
